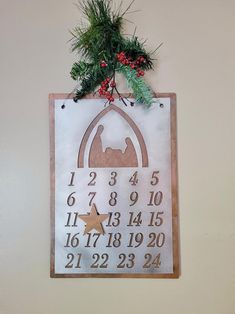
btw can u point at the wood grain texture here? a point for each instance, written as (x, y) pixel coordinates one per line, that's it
(52, 98)
(174, 184)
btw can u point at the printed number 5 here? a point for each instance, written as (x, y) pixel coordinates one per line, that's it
(155, 178)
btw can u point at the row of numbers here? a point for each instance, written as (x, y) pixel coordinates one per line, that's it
(114, 220)
(155, 198)
(113, 180)
(125, 261)
(115, 240)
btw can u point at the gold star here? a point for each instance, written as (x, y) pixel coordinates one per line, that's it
(94, 220)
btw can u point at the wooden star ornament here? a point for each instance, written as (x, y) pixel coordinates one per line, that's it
(94, 220)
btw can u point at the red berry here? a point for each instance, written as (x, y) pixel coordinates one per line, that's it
(110, 98)
(132, 65)
(103, 64)
(121, 57)
(113, 84)
(104, 85)
(101, 92)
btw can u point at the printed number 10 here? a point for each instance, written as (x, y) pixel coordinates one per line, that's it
(155, 198)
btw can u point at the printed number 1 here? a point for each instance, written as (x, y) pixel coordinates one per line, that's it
(72, 179)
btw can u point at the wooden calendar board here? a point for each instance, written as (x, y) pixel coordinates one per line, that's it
(113, 188)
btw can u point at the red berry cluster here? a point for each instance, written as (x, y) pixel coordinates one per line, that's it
(133, 64)
(140, 60)
(123, 59)
(140, 73)
(104, 89)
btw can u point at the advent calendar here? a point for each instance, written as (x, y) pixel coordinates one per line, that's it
(114, 206)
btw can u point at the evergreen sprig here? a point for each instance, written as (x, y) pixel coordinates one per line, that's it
(103, 50)
(142, 92)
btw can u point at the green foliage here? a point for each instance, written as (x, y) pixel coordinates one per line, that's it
(100, 40)
(134, 49)
(79, 69)
(142, 92)
(90, 75)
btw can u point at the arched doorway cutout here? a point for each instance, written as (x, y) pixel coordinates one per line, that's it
(136, 130)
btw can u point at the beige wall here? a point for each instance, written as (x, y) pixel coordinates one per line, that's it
(197, 62)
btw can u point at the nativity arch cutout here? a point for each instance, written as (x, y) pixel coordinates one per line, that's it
(111, 157)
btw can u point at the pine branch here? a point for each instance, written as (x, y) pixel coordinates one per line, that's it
(80, 70)
(142, 92)
(102, 36)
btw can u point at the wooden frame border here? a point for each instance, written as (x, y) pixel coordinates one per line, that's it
(174, 185)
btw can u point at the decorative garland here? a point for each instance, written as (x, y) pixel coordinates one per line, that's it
(104, 51)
